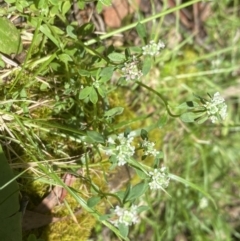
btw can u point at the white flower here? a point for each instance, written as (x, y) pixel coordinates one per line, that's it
(110, 140)
(203, 203)
(123, 150)
(149, 148)
(159, 178)
(109, 152)
(131, 70)
(153, 48)
(125, 216)
(216, 108)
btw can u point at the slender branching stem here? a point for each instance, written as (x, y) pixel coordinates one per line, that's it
(160, 96)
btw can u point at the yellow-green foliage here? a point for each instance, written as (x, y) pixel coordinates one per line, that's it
(34, 189)
(67, 229)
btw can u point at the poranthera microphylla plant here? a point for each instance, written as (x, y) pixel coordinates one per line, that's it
(121, 150)
(63, 54)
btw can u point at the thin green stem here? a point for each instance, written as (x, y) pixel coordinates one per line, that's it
(160, 96)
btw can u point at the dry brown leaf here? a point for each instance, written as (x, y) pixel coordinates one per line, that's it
(114, 14)
(56, 196)
(37, 218)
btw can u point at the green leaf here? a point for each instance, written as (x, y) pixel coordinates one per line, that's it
(142, 208)
(188, 105)
(141, 31)
(114, 111)
(140, 173)
(10, 1)
(123, 229)
(95, 136)
(65, 7)
(70, 33)
(93, 96)
(11, 227)
(106, 2)
(32, 237)
(126, 193)
(57, 30)
(44, 86)
(84, 93)
(104, 217)
(54, 2)
(188, 117)
(116, 57)
(136, 49)
(84, 72)
(23, 93)
(202, 119)
(99, 7)
(101, 91)
(106, 73)
(65, 58)
(86, 29)
(10, 217)
(93, 201)
(120, 194)
(137, 191)
(144, 134)
(45, 30)
(147, 63)
(10, 40)
(41, 4)
(21, 5)
(81, 4)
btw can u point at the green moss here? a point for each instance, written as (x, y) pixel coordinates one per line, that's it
(68, 229)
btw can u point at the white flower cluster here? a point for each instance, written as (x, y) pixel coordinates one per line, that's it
(153, 48)
(216, 108)
(122, 151)
(131, 70)
(159, 178)
(125, 216)
(149, 148)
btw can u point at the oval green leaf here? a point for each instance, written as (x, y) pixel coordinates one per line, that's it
(114, 111)
(147, 63)
(93, 201)
(93, 96)
(84, 93)
(10, 40)
(10, 217)
(116, 57)
(95, 136)
(137, 191)
(188, 117)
